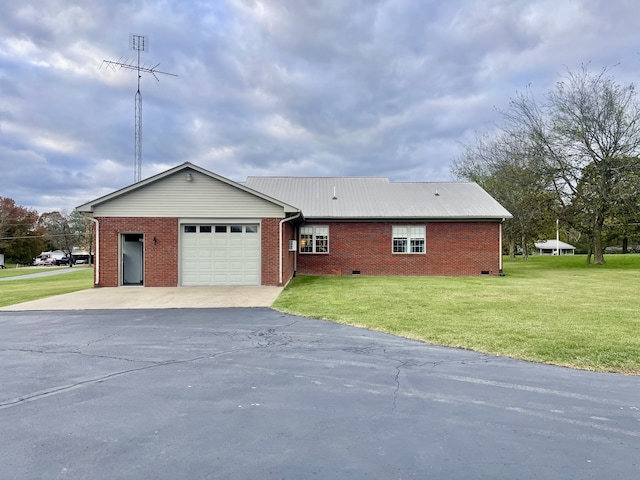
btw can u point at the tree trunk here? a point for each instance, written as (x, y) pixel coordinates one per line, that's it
(625, 245)
(598, 251)
(525, 248)
(512, 248)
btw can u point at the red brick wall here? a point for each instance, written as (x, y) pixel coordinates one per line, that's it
(269, 254)
(160, 258)
(288, 257)
(453, 249)
(465, 248)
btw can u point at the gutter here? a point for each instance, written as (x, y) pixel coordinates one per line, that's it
(500, 272)
(286, 219)
(96, 258)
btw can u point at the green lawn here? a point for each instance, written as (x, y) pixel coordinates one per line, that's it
(18, 291)
(548, 309)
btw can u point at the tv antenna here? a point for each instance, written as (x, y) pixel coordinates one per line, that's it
(139, 43)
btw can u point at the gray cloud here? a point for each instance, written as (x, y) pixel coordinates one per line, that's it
(273, 87)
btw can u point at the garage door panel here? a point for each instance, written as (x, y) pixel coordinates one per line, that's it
(220, 255)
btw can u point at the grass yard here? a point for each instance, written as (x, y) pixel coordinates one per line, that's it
(555, 310)
(18, 291)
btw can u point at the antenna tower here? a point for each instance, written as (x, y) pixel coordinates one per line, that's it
(139, 43)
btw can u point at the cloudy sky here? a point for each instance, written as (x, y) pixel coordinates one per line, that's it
(278, 87)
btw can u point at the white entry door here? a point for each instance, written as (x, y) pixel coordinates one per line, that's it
(220, 254)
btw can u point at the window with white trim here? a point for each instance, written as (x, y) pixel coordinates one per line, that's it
(409, 239)
(314, 239)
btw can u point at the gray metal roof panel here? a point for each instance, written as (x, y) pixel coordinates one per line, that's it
(376, 197)
(553, 244)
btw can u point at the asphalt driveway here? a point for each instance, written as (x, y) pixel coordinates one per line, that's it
(252, 393)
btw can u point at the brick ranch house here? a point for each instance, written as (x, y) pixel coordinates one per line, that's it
(188, 226)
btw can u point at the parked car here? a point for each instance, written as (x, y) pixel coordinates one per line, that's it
(62, 261)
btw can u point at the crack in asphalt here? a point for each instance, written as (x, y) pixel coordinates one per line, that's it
(64, 388)
(72, 352)
(397, 389)
(56, 390)
(401, 364)
(105, 337)
(272, 336)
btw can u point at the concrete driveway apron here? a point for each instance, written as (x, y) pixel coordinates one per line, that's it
(111, 298)
(246, 393)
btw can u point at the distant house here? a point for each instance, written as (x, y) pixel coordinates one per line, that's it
(188, 226)
(550, 247)
(80, 256)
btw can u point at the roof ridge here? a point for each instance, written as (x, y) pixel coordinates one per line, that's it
(318, 176)
(453, 182)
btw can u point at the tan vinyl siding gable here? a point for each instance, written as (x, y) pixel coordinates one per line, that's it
(174, 196)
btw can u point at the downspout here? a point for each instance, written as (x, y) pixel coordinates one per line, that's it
(96, 258)
(287, 219)
(296, 234)
(500, 272)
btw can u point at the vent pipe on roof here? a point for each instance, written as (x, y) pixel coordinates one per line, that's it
(334, 193)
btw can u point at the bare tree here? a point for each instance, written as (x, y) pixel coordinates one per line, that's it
(584, 132)
(85, 229)
(511, 173)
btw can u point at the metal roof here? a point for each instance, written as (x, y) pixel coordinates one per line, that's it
(551, 244)
(376, 197)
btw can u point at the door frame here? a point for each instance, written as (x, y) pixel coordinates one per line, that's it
(121, 242)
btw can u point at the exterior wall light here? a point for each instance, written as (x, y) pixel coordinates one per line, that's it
(189, 177)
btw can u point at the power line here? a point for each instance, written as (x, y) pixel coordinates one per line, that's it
(43, 236)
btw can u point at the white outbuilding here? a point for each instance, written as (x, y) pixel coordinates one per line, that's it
(554, 247)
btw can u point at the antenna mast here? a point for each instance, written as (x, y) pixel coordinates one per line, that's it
(139, 43)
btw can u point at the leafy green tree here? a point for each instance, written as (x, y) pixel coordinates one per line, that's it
(623, 221)
(61, 233)
(20, 238)
(586, 131)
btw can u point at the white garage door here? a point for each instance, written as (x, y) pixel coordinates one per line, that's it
(219, 254)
